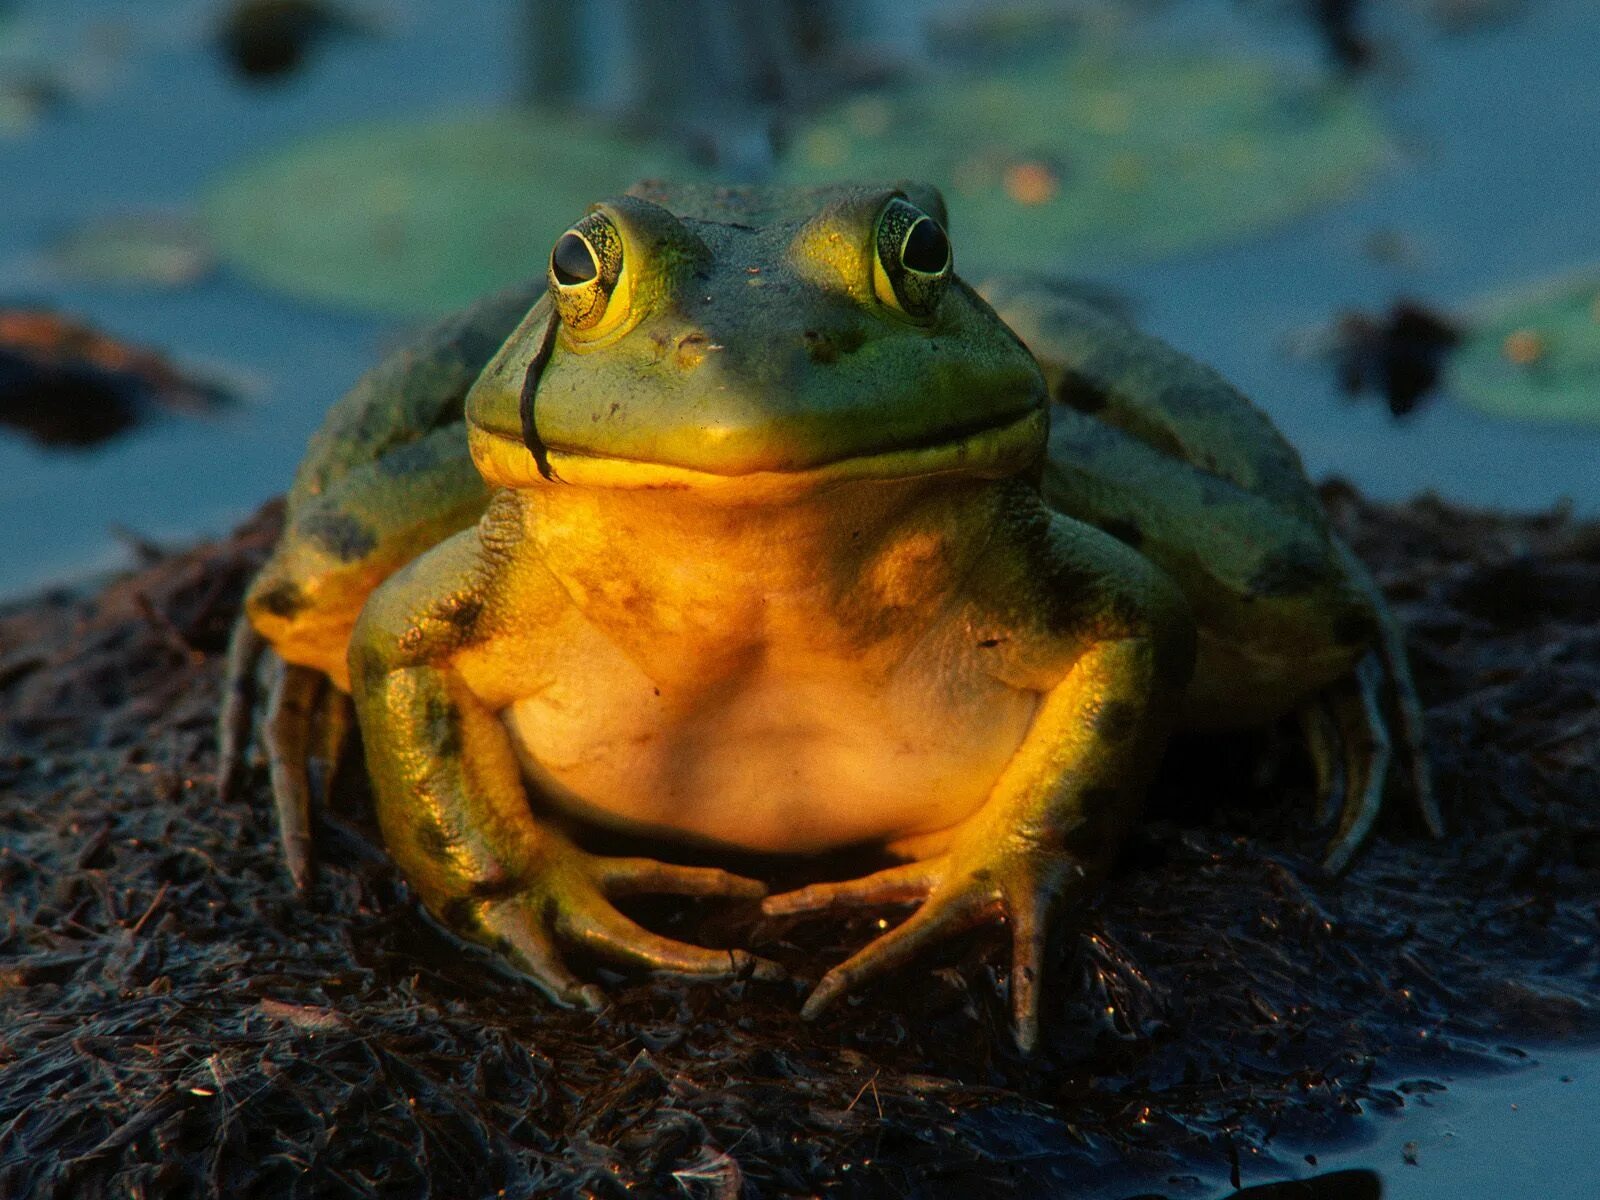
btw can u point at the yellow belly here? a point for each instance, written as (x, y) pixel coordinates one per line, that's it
(773, 762)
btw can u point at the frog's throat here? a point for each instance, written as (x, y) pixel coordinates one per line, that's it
(996, 452)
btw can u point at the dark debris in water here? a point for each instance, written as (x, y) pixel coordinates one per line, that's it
(64, 383)
(174, 1022)
(1340, 23)
(1400, 355)
(267, 40)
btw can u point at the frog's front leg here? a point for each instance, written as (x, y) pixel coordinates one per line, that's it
(451, 799)
(1054, 818)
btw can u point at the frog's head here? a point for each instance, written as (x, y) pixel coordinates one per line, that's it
(705, 336)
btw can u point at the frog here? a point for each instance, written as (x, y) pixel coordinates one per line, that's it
(751, 528)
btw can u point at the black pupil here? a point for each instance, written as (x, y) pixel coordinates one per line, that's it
(926, 248)
(572, 261)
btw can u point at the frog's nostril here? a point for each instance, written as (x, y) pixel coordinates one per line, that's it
(693, 348)
(822, 348)
(826, 346)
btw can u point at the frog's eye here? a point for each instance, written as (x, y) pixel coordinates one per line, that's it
(584, 268)
(912, 266)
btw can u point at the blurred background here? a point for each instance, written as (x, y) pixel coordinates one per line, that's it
(1375, 218)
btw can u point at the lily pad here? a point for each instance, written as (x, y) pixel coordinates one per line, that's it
(422, 217)
(1104, 155)
(1535, 356)
(30, 83)
(155, 249)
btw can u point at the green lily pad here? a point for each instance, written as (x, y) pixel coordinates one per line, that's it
(1535, 356)
(30, 83)
(158, 249)
(422, 217)
(1100, 156)
(1069, 161)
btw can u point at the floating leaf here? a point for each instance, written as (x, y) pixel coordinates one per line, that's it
(161, 249)
(419, 218)
(1536, 355)
(1094, 157)
(30, 83)
(1105, 155)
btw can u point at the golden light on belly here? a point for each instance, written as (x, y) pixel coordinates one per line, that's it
(780, 766)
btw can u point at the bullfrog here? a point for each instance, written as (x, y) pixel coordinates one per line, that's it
(753, 527)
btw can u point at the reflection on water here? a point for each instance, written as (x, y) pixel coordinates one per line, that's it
(1524, 1134)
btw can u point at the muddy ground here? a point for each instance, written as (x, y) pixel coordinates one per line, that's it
(173, 1021)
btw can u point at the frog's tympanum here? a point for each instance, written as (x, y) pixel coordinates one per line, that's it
(754, 527)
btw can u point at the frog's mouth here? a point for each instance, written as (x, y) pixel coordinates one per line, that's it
(992, 451)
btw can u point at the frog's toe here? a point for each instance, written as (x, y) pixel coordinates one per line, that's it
(514, 929)
(1030, 928)
(1027, 901)
(646, 876)
(306, 725)
(940, 917)
(896, 885)
(1352, 747)
(245, 649)
(304, 731)
(332, 721)
(604, 931)
(286, 732)
(1357, 712)
(1320, 730)
(1412, 726)
(571, 907)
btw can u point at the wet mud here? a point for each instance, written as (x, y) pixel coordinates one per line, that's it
(174, 1021)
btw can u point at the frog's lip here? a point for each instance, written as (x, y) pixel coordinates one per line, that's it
(995, 450)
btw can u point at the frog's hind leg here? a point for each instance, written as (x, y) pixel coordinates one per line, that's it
(1164, 454)
(339, 544)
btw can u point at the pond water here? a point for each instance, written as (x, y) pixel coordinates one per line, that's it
(1523, 1134)
(1497, 185)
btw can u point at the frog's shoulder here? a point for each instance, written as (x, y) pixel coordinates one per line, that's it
(387, 476)
(415, 390)
(1099, 365)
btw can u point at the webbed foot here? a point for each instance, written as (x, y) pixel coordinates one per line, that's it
(1350, 739)
(568, 901)
(1351, 749)
(304, 731)
(1020, 883)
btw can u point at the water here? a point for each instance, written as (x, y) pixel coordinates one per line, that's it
(164, 118)
(1523, 1134)
(1498, 186)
